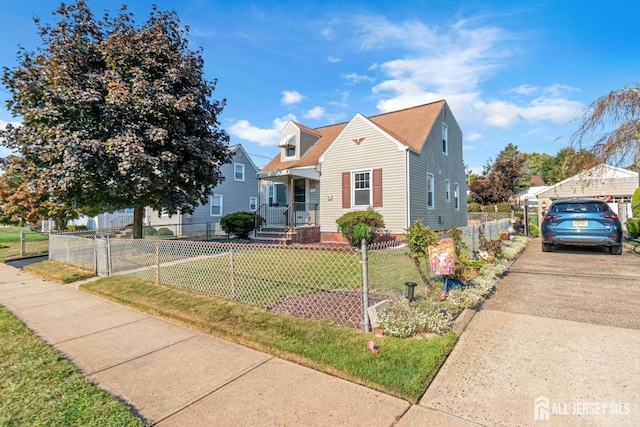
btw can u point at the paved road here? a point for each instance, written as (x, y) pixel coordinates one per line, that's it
(557, 344)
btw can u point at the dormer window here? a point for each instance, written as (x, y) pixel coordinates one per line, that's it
(289, 145)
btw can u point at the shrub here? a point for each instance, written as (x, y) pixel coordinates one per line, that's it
(76, 227)
(149, 231)
(633, 227)
(635, 203)
(164, 231)
(534, 231)
(474, 207)
(239, 224)
(358, 225)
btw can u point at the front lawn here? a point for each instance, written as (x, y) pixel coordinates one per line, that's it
(35, 243)
(58, 272)
(403, 367)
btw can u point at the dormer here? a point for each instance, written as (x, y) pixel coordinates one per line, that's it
(289, 147)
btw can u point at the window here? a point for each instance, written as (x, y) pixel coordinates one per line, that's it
(253, 204)
(447, 190)
(362, 188)
(445, 139)
(215, 203)
(456, 195)
(430, 191)
(290, 152)
(277, 195)
(238, 171)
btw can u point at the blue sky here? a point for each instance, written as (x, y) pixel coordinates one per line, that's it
(512, 71)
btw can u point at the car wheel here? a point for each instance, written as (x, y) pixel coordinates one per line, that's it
(546, 247)
(615, 250)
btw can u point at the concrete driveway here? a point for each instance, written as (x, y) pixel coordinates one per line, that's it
(557, 344)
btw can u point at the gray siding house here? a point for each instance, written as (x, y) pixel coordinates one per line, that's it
(238, 192)
(405, 164)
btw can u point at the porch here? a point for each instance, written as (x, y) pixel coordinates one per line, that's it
(289, 206)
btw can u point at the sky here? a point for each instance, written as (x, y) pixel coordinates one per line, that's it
(520, 72)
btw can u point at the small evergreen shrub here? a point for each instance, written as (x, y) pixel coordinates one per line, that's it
(76, 227)
(358, 225)
(149, 231)
(635, 203)
(534, 230)
(164, 231)
(239, 224)
(633, 227)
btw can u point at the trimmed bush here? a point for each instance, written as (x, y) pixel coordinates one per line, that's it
(633, 227)
(76, 227)
(164, 231)
(534, 230)
(358, 225)
(149, 231)
(239, 224)
(635, 203)
(474, 207)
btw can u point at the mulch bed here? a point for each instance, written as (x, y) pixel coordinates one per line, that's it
(343, 307)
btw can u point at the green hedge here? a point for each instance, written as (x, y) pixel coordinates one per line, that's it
(633, 227)
(164, 231)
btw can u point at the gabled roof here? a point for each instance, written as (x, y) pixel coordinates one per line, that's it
(234, 149)
(596, 178)
(409, 127)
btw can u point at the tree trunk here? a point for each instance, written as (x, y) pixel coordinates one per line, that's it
(423, 276)
(61, 223)
(138, 213)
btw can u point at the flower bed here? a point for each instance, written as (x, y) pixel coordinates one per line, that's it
(431, 314)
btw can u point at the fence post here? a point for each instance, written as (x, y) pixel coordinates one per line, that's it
(95, 254)
(157, 262)
(21, 243)
(107, 252)
(233, 274)
(365, 286)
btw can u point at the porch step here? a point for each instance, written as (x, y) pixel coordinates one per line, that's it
(274, 236)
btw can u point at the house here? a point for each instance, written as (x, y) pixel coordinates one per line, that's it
(104, 221)
(405, 164)
(613, 184)
(238, 192)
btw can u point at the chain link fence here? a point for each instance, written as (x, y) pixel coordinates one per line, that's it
(16, 243)
(314, 281)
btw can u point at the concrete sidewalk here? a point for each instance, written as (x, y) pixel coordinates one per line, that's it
(175, 376)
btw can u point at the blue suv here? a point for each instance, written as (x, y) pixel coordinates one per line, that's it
(581, 222)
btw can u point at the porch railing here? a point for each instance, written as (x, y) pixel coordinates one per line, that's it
(288, 216)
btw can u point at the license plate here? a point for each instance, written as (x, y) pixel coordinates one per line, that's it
(579, 223)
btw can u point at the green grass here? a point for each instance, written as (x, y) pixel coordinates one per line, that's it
(35, 243)
(39, 387)
(58, 272)
(403, 367)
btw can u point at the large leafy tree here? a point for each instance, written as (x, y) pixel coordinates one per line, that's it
(116, 115)
(610, 128)
(502, 178)
(21, 200)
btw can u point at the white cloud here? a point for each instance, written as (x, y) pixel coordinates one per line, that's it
(524, 89)
(314, 113)
(473, 136)
(262, 136)
(290, 97)
(356, 78)
(332, 59)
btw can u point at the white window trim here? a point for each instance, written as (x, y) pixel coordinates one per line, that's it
(447, 190)
(456, 195)
(235, 178)
(445, 139)
(211, 205)
(431, 184)
(253, 204)
(353, 187)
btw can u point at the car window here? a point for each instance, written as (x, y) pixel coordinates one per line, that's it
(581, 207)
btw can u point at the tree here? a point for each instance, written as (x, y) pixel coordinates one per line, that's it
(610, 128)
(502, 178)
(117, 116)
(20, 200)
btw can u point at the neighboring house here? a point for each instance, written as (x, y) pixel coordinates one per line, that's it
(103, 221)
(405, 164)
(610, 183)
(238, 192)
